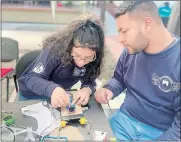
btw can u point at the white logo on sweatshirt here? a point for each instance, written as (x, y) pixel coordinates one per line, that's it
(39, 68)
(165, 83)
(79, 72)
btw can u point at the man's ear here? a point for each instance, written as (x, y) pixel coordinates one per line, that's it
(147, 23)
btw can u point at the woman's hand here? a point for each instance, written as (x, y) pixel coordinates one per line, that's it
(59, 98)
(81, 97)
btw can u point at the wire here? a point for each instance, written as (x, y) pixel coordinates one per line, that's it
(90, 129)
(70, 89)
(18, 126)
(90, 124)
(109, 107)
(3, 111)
(10, 130)
(48, 127)
(52, 137)
(58, 137)
(46, 136)
(43, 132)
(59, 129)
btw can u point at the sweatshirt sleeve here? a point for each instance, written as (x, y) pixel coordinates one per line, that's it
(37, 78)
(116, 84)
(91, 84)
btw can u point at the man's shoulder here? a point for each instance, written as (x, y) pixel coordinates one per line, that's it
(123, 55)
(177, 44)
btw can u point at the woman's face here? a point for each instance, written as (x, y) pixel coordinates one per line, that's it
(82, 55)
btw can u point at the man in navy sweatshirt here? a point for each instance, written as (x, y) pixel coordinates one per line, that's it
(149, 70)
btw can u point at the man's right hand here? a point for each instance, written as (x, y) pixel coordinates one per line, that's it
(59, 98)
(103, 95)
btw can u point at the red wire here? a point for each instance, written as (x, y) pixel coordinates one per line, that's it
(46, 128)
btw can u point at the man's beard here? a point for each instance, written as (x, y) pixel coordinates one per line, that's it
(139, 47)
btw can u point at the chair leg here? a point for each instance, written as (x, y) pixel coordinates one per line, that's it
(15, 82)
(7, 90)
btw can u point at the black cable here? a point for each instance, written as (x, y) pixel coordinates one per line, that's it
(70, 89)
(10, 130)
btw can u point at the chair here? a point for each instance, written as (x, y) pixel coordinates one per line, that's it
(10, 52)
(25, 61)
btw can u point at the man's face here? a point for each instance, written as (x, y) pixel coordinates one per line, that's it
(131, 34)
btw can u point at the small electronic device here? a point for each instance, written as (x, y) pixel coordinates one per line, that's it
(8, 119)
(71, 108)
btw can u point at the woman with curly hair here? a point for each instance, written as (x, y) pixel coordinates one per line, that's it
(73, 54)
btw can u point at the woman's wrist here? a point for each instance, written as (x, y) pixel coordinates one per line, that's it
(90, 91)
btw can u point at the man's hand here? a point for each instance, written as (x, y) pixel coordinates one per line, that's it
(81, 97)
(103, 95)
(59, 98)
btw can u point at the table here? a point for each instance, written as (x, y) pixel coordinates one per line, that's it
(95, 113)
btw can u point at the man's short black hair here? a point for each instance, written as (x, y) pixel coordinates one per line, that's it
(166, 3)
(129, 7)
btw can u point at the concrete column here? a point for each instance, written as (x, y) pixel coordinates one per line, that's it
(174, 22)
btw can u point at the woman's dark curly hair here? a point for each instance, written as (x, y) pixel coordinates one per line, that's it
(88, 32)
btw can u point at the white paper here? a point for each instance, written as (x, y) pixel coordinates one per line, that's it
(99, 136)
(43, 116)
